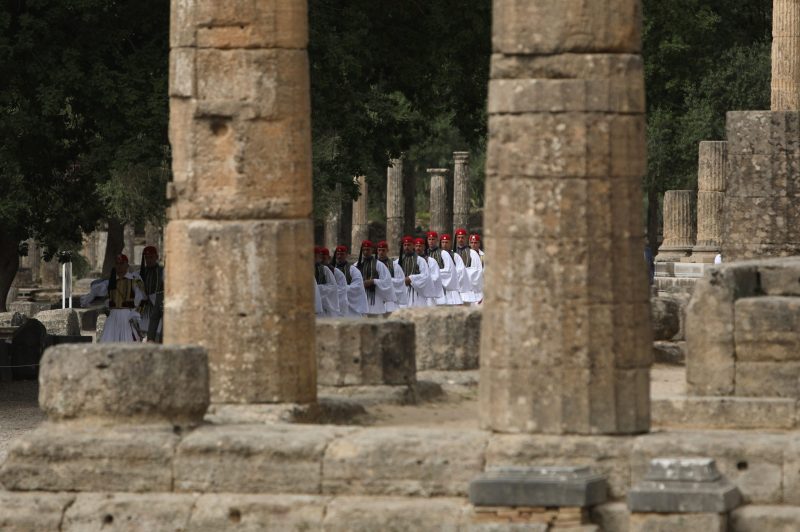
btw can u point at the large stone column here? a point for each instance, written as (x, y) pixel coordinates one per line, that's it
(130, 244)
(711, 168)
(679, 225)
(333, 221)
(565, 340)
(239, 239)
(440, 222)
(360, 230)
(785, 55)
(35, 257)
(461, 196)
(395, 203)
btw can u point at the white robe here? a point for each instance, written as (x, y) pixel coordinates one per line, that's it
(341, 283)
(356, 295)
(384, 291)
(472, 286)
(399, 286)
(415, 292)
(434, 290)
(449, 275)
(329, 292)
(119, 326)
(317, 300)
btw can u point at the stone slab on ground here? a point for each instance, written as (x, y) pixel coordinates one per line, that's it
(370, 514)
(72, 457)
(653, 522)
(417, 393)
(96, 512)
(404, 461)
(32, 511)
(61, 322)
(557, 486)
(715, 412)
(754, 518)
(447, 337)
(327, 410)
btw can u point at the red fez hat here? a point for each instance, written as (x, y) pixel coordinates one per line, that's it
(446, 237)
(431, 234)
(317, 250)
(419, 241)
(408, 240)
(383, 245)
(121, 258)
(367, 244)
(342, 249)
(325, 252)
(150, 250)
(460, 232)
(474, 237)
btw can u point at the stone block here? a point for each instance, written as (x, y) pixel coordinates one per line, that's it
(262, 513)
(88, 318)
(751, 460)
(253, 458)
(29, 512)
(611, 516)
(710, 328)
(767, 329)
(752, 518)
(447, 338)
(780, 277)
(553, 145)
(100, 325)
(270, 357)
(672, 353)
(29, 308)
(129, 511)
(654, 522)
(608, 26)
(607, 455)
(506, 526)
(695, 412)
(11, 319)
(125, 383)
(768, 379)
(365, 352)
(404, 461)
(666, 316)
(368, 514)
(791, 471)
(538, 486)
(71, 457)
(761, 132)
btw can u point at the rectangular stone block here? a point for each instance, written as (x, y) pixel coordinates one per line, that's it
(791, 470)
(780, 277)
(182, 82)
(554, 486)
(60, 322)
(447, 338)
(768, 379)
(534, 27)
(751, 460)
(71, 457)
(611, 516)
(753, 518)
(368, 514)
(28, 512)
(152, 511)
(762, 132)
(264, 513)
(579, 145)
(652, 522)
(742, 413)
(253, 459)
(365, 352)
(261, 345)
(767, 329)
(407, 461)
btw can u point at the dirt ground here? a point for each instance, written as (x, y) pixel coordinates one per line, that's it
(19, 411)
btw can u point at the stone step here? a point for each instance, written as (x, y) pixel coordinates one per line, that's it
(723, 412)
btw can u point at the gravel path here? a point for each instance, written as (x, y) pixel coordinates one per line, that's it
(19, 411)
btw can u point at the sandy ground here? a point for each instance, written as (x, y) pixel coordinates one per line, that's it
(458, 408)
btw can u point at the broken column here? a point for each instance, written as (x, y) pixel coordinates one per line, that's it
(333, 220)
(360, 230)
(239, 238)
(438, 201)
(785, 86)
(395, 202)
(565, 338)
(711, 168)
(679, 225)
(461, 196)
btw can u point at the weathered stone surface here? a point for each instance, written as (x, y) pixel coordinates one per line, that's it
(88, 318)
(29, 308)
(695, 412)
(461, 191)
(538, 487)
(67, 456)
(125, 383)
(611, 516)
(533, 27)
(404, 461)
(258, 513)
(666, 316)
(767, 329)
(791, 470)
(100, 325)
(368, 514)
(753, 518)
(680, 225)
(607, 455)
(253, 458)
(768, 379)
(447, 338)
(262, 347)
(672, 353)
(365, 352)
(63, 322)
(11, 319)
(29, 512)
(441, 215)
(751, 460)
(127, 511)
(653, 522)
(780, 277)
(507, 526)
(709, 328)
(360, 222)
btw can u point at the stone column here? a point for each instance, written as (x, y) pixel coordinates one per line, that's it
(785, 87)
(154, 236)
(711, 168)
(438, 207)
(333, 221)
(239, 238)
(410, 201)
(130, 244)
(395, 203)
(35, 257)
(360, 230)
(679, 225)
(565, 343)
(461, 195)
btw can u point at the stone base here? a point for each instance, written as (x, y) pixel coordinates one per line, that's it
(419, 392)
(331, 410)
(714, 412)
(652, 522)
(448, 338)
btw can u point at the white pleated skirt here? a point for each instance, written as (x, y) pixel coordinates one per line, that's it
(118, 326)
